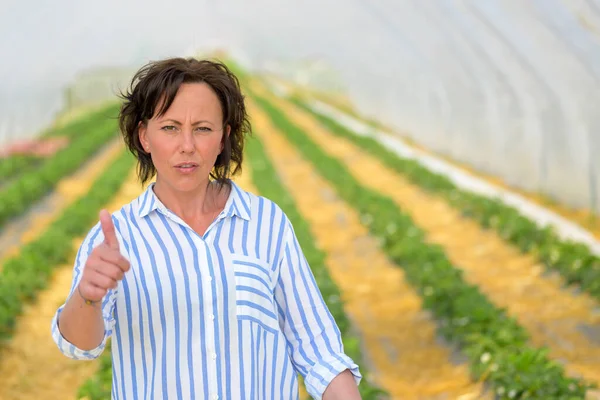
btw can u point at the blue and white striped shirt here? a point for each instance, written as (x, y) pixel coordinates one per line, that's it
(234, 314)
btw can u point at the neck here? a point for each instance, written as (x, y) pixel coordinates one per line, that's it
(205, 200)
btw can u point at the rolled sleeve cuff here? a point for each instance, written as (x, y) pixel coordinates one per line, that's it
(323, 372)
(70, 350)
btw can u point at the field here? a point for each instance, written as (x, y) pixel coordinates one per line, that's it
(439, 293)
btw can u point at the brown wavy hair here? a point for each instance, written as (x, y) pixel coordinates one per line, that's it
(157, 83)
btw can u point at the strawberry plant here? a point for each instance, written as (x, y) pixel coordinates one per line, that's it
(18, 195)
(17, 164)
(268, 183)
(497, 347)
(574, 261)
(24, 275)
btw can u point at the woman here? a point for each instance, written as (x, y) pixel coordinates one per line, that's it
(202, 286)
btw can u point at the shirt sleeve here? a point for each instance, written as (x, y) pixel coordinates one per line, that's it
(93, 239)
(314, 338)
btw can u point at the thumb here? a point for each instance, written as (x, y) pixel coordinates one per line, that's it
(108, 228)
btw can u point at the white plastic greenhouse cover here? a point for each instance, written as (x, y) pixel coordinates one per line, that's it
(511, 87)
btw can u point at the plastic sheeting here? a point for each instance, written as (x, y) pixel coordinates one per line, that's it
(510, 87)
(543, 217)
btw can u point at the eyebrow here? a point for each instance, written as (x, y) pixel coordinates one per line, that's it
(179, 123)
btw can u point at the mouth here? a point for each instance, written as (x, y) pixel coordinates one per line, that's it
(186, 167)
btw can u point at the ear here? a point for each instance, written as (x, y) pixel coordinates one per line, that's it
(143, 136)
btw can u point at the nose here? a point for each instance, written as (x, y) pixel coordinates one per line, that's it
(187, 141)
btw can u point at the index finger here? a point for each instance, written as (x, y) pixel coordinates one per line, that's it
(108, 228)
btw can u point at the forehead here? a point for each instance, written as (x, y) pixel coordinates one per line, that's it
(193, 99)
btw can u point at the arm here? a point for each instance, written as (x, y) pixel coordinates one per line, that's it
(314, 338)
(80, 329)
(342, 387)
(81, 324)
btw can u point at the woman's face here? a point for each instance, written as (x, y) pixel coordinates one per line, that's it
(184, 142)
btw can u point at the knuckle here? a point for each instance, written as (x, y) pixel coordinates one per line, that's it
(116, 275)
(101, 248)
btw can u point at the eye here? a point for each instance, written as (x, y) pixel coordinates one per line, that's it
(204, 129)
(168, 128)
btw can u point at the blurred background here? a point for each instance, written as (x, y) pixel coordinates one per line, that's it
(504, 91)
(509, 87)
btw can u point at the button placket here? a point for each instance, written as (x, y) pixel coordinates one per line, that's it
(209, 311)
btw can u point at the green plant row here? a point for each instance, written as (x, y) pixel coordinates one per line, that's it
(269, 184)
(17, 164)
(18, 195)
(574, 261)
(495, 344)
(84, 122)
(24, 275)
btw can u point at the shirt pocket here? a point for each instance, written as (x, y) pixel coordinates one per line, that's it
(255, 300)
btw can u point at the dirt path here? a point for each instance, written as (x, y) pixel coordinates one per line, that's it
(31, 366)
(567, 323)
(584, 217)
(245, 181)
(31, 225)
(405, 356)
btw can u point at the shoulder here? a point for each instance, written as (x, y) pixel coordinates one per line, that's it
(125, 220)
(122, 221)
(270, 219)
(95, 235)
(262, 209)
(123, 217)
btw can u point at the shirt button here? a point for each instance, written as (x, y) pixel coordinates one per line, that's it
(216, 397)
(212, 317)
(210, 278)
(214, 356)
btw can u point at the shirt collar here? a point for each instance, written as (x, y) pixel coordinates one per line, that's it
(238, 202)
